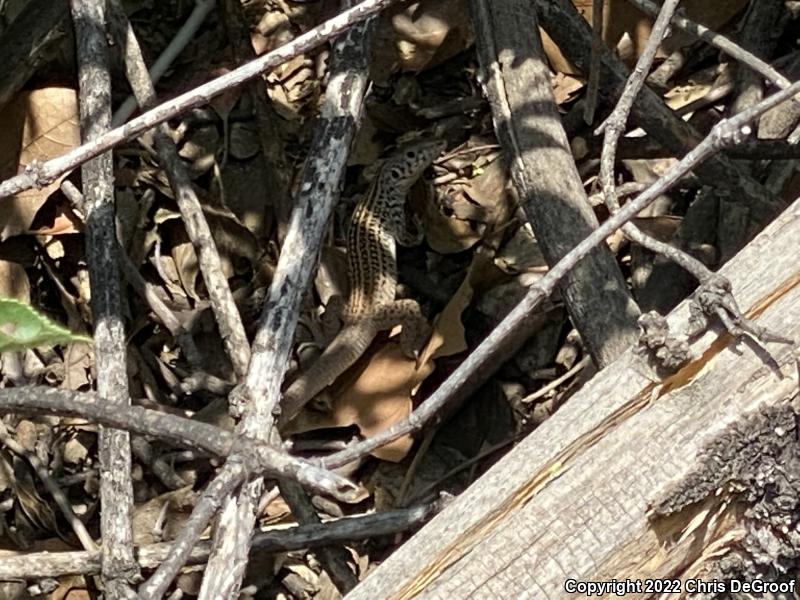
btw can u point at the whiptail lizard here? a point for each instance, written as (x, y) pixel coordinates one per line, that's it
(378, 223)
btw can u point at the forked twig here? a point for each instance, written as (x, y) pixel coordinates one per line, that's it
(718, 41)
(713, 287)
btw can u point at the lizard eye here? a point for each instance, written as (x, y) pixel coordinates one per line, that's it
(410, 154)
(394, 174)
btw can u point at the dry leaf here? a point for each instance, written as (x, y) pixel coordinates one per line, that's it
(75, 451)
(468, 208)
(244, 142)
(233, 241)
(661, 227)
(71, 588)
(565, 87)
(56, 218)
(292, 84)
(521, 253)
(185, 261)
(200, 147)
(27, 435)
(37, 126)
(420, 35)
(147, 516)
(381, 397)
(53, 246)
(190, 580)
(38, 510)
(223, 103)
(713, 15)
(378, 397)
(14, 282)
(276, 511)
(448, 335)
(273, 23)
(245, 184)
(697, 86)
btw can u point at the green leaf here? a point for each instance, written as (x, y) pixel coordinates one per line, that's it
(21, 328)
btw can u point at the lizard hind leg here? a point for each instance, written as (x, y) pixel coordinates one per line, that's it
(406, 312)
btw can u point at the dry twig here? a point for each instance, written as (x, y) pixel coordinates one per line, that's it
(318, 192)
(349, 529)
(227, 314)
(119, 569)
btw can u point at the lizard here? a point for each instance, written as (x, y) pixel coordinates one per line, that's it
(377, 225)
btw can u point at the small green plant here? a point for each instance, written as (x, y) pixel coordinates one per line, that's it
(21, 327)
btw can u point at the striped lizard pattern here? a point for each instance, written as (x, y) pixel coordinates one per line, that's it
(377, 225)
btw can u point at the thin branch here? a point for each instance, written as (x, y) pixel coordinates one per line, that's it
(542, 167)
(562, 21)
(225, 311)
(718, 41)
(166, 58)
(55, 491)
(614, 127)
(725, 132)
(318, 192)
(590, 102)
(146, 291)
(333, 558)
(44, 173)
(119, 567)
(275, 161)
(280, 539)
(228, 480)
(260, 458)
(647, 147)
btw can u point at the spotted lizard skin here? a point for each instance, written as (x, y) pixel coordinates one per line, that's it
(377, 226)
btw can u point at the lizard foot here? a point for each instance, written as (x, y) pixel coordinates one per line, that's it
(414, 336)
(416, 329)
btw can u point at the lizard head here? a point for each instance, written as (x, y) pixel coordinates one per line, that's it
(405, 166)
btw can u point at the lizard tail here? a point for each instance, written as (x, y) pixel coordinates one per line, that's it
(346, 348)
